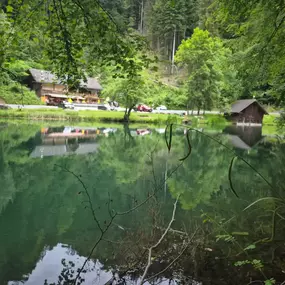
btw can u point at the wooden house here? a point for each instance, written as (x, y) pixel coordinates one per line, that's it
(46, 85)
(247, 112)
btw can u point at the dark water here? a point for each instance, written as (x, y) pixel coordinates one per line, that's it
(68, 193)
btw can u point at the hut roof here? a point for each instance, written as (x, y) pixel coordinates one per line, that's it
(240, 105)
(44, 76)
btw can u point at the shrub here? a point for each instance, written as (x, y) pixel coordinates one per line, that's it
(215, 120)
(17, 94)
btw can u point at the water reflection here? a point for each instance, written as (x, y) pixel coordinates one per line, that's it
(244, 137)
(43, 207)
(69, 140)
(61, 260)
(62, 263)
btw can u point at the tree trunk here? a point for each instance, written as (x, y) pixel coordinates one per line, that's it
(128, 113)
(173, 51)
(158, 44)
(184, 33)
(142, 16)
(198, 113)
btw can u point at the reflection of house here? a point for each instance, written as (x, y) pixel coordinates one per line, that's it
(244, 137)
(66, 140)
(47, 85)
(69, 140)
(58, 150)
(246, 112)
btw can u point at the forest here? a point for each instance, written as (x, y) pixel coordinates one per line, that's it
(185, 54)
(200, 54)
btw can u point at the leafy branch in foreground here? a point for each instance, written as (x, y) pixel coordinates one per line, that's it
(78, 35)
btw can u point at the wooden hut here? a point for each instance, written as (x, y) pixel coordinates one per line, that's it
(46, 85)
(247, 112)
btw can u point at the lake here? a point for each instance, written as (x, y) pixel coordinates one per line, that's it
(122, 205)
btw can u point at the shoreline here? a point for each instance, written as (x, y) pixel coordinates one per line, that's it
(61, 115)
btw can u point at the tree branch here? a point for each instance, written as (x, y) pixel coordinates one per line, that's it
(86, 192)
(159, 241)
(174, 260)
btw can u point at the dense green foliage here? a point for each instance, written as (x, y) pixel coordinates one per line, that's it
(250, 53)
(254, 30)
(236, 50)
(206, 60)
(18, 94)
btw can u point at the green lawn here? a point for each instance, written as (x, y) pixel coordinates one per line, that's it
(87, 116)
(117, 117)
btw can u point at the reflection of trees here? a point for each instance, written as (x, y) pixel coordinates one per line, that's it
(8, 189)
(202, 174)
(13, 140)
(260, 224)
(50, 206)
(72, 145)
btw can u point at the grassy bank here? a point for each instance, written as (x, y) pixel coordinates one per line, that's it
(106, 117)
(86, 116)
(117, 117)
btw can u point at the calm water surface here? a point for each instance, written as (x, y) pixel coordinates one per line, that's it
(108, 193)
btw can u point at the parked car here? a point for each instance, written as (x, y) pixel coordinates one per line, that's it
(161, 108)
(66, 105)
(143, 108)
(4, 107)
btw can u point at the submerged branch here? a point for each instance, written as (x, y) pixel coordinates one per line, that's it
(174, 260)
(159, 241)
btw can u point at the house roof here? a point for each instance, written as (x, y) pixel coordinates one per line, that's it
(45, 76)
(240, 105)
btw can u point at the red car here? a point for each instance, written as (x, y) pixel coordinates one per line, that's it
(143, 108)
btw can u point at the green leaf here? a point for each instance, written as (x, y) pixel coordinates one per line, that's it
(240, 233)
(257, 264)
(9, 9)
(226, 238)
(270, 281)
(242, 262)
(252, 246)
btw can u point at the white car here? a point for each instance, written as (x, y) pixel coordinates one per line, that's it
(161, 108)
(67, 105)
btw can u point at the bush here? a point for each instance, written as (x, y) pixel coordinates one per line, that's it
(215, 120)
(18, 94)
(271, 120)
